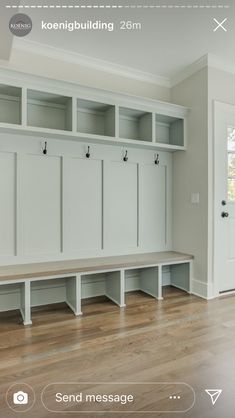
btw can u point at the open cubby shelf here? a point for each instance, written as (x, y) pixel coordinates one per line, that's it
(10, 104)
(72, 288)
(169, 130)
(135, 124)
(95, 118)
(48, 110)
(29, 110)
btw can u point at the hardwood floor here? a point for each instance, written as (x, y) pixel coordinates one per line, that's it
(180, 339)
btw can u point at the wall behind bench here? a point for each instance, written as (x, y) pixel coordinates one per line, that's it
(64, 206)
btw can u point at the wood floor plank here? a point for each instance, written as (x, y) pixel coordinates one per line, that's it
(182, 338)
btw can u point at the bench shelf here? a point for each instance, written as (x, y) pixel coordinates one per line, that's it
(40, 284)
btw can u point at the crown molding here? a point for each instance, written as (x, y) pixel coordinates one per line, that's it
(90, 62)
(209, 61)
(190, 70)
(213, 61)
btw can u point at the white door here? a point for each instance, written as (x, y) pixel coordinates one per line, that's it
(224, 187)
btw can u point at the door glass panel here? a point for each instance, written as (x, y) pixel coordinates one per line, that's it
(231, 138)
(231, 190)
(231, 163)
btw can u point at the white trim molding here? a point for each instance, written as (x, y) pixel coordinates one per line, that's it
(207, 60)
(203, 289)
(189, 70)
(90, 62)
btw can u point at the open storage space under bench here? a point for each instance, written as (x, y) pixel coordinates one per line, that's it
(27, 285)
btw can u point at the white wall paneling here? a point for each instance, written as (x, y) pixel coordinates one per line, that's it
(152, 205)
(40, 204)
(120, 205)
(63, 205)
(82, 204)
(8, 203)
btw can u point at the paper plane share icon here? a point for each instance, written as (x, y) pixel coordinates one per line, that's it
(214, 394)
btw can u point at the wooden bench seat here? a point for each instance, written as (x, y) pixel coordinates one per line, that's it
(115, 267)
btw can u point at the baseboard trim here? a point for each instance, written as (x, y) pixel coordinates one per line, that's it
(202, 289)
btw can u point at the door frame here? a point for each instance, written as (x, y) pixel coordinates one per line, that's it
(222, 107)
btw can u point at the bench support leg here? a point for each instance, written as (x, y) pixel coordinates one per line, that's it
(159, 282)
(123, 304)
(73, 294)
(114, 287)
(25, 303)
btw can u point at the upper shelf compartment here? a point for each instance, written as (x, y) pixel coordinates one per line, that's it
(37, 106)
(169, 130)
(95, 118)
(135, 124)
(49, 111)
(10, 104)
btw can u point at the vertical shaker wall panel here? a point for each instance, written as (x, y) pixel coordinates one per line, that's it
(82, 185)
(8, 203)
(40, 202)
(120, 205)
(152, 206)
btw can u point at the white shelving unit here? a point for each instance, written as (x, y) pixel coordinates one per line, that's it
(49, 111)
(95, 118)
(135, 124)
(31, 292)
(55, 109)
(169, 130)
(10, 104)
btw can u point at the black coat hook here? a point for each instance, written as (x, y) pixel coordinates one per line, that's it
(157, 161)
(45, 148)
(125, 158)
(88, 153)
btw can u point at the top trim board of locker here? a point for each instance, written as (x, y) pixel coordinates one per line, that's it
(33, 82)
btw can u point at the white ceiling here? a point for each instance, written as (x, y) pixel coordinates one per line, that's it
(170, 38)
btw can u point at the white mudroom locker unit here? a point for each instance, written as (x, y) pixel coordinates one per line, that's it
(85, 174)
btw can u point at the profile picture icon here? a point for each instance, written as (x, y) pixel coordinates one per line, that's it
(20, 398)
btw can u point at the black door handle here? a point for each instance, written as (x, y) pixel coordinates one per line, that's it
(224, 214)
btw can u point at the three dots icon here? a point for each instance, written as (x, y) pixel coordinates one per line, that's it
(174, 397)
